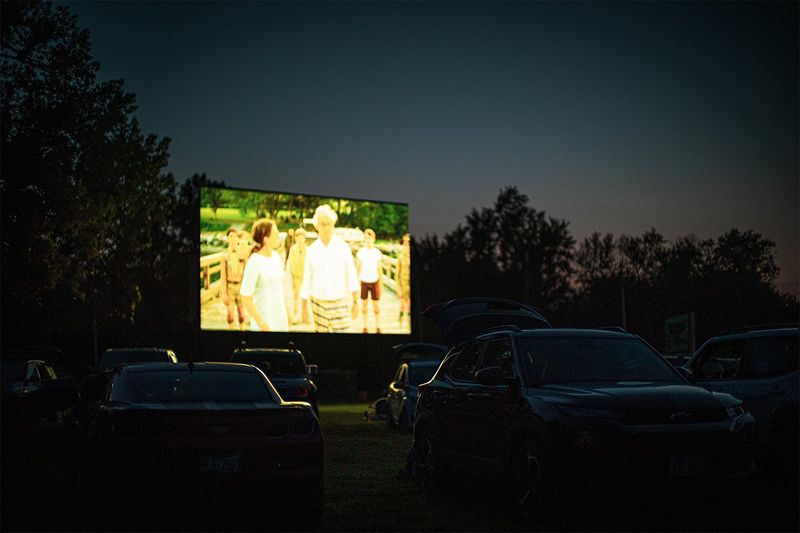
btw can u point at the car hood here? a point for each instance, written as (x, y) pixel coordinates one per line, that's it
(463, 318)
(635, 397)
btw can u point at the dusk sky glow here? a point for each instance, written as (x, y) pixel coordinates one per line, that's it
(616, 117)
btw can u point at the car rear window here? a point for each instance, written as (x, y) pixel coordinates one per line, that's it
(206, 386)
(419, 374)
(562, 360)
(277, 363)
(112, 359)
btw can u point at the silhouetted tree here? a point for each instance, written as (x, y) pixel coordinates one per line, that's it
(82, 187)
(508, 250)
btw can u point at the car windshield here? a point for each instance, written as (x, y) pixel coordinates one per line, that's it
(15, 371)
(582, 359)
(419, 374)
(206, 386)
(277, 362)
(112, 359)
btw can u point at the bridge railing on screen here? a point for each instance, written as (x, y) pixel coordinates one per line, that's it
(211, 269)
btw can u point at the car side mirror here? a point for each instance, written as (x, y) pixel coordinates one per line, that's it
(687, 374)
(491, 376)
(313, 370)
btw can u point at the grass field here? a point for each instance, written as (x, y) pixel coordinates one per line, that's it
(362, 490)
(364, 493)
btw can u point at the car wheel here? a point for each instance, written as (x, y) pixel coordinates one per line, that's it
(316, 499)
(403, 422)
(426, 468)
(528, 477)
(389, 417)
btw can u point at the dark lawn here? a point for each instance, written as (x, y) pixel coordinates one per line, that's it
(363, 493)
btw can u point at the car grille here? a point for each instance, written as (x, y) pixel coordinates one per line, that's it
(675, 416)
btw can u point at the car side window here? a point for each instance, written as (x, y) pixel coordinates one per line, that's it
(498, 353)
(465, 364)
(772, 356)
(44, 372)
(32, 376)
(721, 360)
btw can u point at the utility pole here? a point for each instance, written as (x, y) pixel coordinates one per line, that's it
(622, 292)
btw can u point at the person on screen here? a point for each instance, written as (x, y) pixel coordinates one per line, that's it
(288, 243)
(262, 283)
(370, 268)
(403, 277)
(330, 281)
(232, 270)
(297, 266)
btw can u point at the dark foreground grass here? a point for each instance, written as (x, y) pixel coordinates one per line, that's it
(364, 493)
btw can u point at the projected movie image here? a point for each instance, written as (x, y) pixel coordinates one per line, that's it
(278, 262)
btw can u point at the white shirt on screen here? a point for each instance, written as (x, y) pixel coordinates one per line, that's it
(369, 260)
(263, 280)
(330, 272)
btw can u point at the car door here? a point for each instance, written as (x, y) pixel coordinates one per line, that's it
(460, 375)
(489, 409)
(47, 392)
(718, 363)
(31, 400)
(397, 391)
(768, 379)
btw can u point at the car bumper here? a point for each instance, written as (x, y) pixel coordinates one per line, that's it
(661, 454)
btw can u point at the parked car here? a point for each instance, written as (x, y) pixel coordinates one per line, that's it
(540, 408)
(760, 366)
(93, 385)
(420, 361)
(114, 357)
(175, 428)
(286, 369)
(32, 390)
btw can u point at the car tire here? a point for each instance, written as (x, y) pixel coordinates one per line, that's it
(427, 468)
(528, 477)
(389, 417)
(780, 458)
(403, 422)
(316, 499)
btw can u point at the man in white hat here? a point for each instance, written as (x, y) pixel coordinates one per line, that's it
(330, 281)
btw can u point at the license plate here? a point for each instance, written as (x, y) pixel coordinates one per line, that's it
(686, 466)
(223, 463)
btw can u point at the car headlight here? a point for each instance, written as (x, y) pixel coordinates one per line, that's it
(590, 412)
(736, 410)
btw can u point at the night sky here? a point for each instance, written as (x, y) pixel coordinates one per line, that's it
(617, 117)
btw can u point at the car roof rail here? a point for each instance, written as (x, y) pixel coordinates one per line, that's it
(760, 327)
(494, 329)
(618, 329)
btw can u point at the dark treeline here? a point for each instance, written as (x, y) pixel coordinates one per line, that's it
(514, 251)
(100, 245)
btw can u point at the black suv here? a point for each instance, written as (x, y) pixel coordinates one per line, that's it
(286, 368)
(537, 407)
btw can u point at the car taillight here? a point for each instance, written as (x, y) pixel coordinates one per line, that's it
(303, 391)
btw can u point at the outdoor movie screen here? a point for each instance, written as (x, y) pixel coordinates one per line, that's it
(283, 262)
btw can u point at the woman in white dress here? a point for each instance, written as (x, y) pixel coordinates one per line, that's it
(262, 283)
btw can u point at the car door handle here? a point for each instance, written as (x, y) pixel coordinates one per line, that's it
(479, 396)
